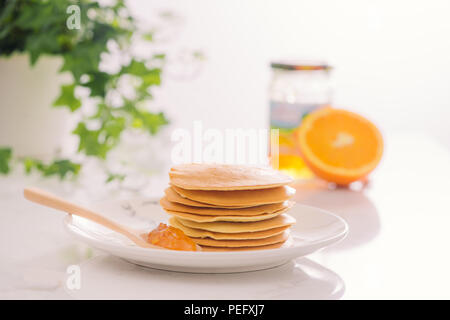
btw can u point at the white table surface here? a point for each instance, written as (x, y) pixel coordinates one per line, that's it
(397, 247)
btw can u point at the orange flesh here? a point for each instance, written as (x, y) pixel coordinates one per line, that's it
(339, 146)
(340, 142)
(171, 238)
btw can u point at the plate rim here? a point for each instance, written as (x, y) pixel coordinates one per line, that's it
(69, 226)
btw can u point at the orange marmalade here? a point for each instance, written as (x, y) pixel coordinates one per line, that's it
(171, 238)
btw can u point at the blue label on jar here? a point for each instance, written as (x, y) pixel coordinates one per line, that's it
(286, 115)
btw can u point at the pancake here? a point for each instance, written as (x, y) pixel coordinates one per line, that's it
(223, 249)
(203, 218)
(198, 233)
(250, 211)
(172, 196)
(195, 176)
(242, 243)
(237, 227)
(239, 197)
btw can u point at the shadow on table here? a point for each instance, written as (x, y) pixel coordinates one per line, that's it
(107, 277)
(352, 205)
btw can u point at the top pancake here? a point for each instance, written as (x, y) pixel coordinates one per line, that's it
(223, 177)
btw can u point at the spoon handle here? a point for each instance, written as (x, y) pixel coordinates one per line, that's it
(49, 200)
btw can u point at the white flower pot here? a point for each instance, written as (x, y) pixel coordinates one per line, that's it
(28, 122)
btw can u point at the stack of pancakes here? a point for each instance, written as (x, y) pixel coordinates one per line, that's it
(230, 207)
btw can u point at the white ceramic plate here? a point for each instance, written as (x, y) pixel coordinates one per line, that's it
(315, 229)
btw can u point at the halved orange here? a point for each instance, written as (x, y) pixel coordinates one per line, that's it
(339, 146)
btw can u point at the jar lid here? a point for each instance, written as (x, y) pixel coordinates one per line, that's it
(300, 65)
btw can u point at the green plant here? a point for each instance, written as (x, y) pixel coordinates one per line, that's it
(38, 27)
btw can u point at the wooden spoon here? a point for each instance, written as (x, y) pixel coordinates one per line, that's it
(49, 200)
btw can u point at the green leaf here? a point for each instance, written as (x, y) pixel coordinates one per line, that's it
(103, 112)
(61, 167)
(83, 59)
(7, 10)
(89, 141)
(136, 68)
(44, 42)
(29, 164)
(28, 19)
(5, 159)
(152, 122)
(115, 176)
(98, 83)
(67, 98)
(102, 32)
(160, 56)
(148, 36)
(199, 55)
(152, 77)
(137, 123)
(114, 127)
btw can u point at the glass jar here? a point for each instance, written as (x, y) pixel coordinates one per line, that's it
(297, 88)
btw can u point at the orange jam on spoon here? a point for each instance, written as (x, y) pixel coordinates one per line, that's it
(171, 238)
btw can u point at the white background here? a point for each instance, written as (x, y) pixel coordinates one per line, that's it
(392, 62)
(391, 58)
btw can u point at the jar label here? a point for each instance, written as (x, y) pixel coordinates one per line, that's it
(284, 115)
(287, 117)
